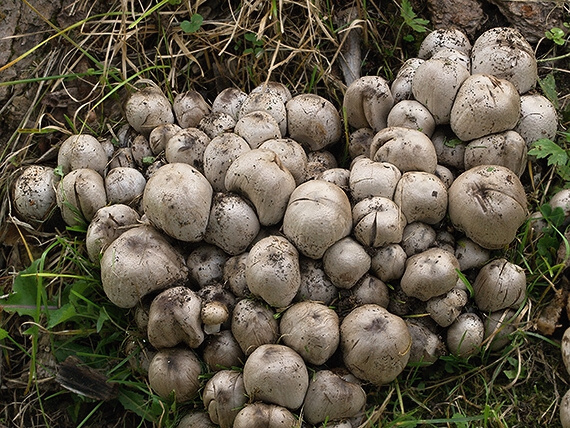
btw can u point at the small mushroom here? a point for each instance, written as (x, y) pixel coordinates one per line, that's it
(444, 38)
(401, 87)
(187, 146)
(276, 374)
(261, 177)
(429, 274)
(318, 214)
(229, 102)
(446, 308)
(189, 108)
(137, 263)
(389, 262)
(234, 275)
(257, 127)
(488, 203)
(267, 100)
(168, 207)
(196, 420)
(219, 155)
(148, 108)
(313, 121)
(417, 237)
(253, 325)
(450, 150)
(222, 351)
(500, 284)
(160, 135)
(407, 149)
(484, 105)
(421, 197)
(82, 151)
(34, 192)
(292, 156)
(370, 289)
(345, 262)
(538, 119)
(262, 415)
(465, 335)
(470, 254)
(315, 284)
(174, 318)
(369, 178)
(359, 142)
(176, 371)
(411, 114)
(378, 221)
(124, 185)
(215, 124)
(427, 346)
(206, 264)
(499, 326)
(375, 344)
(367, 102)
(312, 330)
(79, 195)
(224, 396)
(330, 397)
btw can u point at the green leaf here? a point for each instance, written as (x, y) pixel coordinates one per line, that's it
(61, 315)
(548, 86)
(411, 19)
(134, 402)
(193, 25)
(545, 148)
(23, 299)
(4, 334)
(103, 316)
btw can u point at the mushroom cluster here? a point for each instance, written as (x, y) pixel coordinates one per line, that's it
(237, 240)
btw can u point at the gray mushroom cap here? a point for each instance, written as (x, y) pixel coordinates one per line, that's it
(34, 192)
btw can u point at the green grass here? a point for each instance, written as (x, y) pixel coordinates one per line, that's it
(55, 307)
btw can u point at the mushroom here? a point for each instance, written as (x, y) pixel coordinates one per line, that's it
(318, 162)
(500, 284)
(401, 87)
(444, 38)
(224, 396)
(444, 309)
(267, 100)
(499, 326)
(315, 284)
(484, 105)
(435, 85)
(189, 108)
(389, 262)
(148, 108)
(367, 102)
(233, 224)
(108, 224)
(565, 410)
(421, 197)
(407, 149)
(257, 127)
(330, 397)
(272, 271)
(206, 264)
(538, 119)
(276, 374)
(429, 274)
(175, 371)
(124, 185)
(187, 146)
(345, 262)
(470, 254)
(168, 207)
(507, 148)
(196, 420)
(312, 330)
(369, 178)
(122, 157)
(337, 176)
(278, 88)
(261, 177)
(222, 351)
(291, 154)
(370, 289)
(318, 214)
(488, 203)
(313, 121)
(160, 135)
(375, 344)
(253, 325)
(137, 263)
(450, 150)
(215, 124)
(34, 192)
(229, 102)
(427, 346)
(82, 151)
(219, 155)
(417, 237)
(504, 52)
(378, 221)
(411, 114)
(455, 55)
(262, 415)
(234, 275)
(465, 335)
(79, 195)
(175, 317)
(359, 142)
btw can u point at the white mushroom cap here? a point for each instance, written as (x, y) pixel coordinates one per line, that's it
(189, 108)
(444, 38)
(148, 108)
(213, 315)
(257, 127)
(82, 151)
(538, 119)
(229, 101)
(35, 192)
(367, 102)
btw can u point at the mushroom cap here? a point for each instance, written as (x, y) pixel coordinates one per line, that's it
(160, 135)
(137, 263)
(504, 52)
(82, 151)
(187, 146)
(465, 335)
(224, 396)
(264, 415)
(411, 114)
(484, 105)
(189, 108)
(538, 119)
(345, 262)
(421, 197)
(148, 108)
(367, 102)
(369, 178)
(435, 85)
(269, 101)
(124, 185)
(229, 101)
(444, 38)
(375, 344)
(175, 370)
(313, 121)
(79, 195)
(378, 221)
(34, 192)
(256, 127)
(276, 374)
(167, 204)
(219, 155)
(291, 154)
(500, 284)
(318, 214)
(489, 204)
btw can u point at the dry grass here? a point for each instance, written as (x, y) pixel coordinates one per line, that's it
(79, 85)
